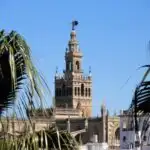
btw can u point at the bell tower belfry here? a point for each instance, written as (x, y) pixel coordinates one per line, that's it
(73, 88)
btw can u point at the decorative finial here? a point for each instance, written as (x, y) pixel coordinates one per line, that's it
(56, 73)
(103, 104)
(90, 69)
(115, 113)
(74, 23)
(90, 72)
(56, 70)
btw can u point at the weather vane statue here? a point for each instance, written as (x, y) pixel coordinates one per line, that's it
(74, 23)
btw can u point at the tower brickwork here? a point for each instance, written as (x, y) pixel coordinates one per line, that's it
(73, 88)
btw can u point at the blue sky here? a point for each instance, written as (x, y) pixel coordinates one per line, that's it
(113, 35)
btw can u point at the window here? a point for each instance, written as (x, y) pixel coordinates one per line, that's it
(117, 134)
(89, 92)
(70, 66)
(86, 92)
(144, 138)
(67, 66)
(124, 138)
(77, 65)
(63, 90)
(78, 91)
(58, 92)
(82, 89)
(75, 90)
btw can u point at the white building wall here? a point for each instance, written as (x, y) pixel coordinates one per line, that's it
(130, 134)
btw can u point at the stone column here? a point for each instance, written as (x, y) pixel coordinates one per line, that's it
(68, 124)
(103, 115)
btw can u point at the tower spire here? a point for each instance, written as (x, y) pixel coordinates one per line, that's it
(73, 43)
(103, 108)
(56, 72)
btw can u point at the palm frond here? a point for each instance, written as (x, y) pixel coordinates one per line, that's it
(17, 70)
(20, 80)
(140, 105)
(43, 139)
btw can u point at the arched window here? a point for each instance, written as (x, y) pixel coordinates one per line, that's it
(67, 66)
(70, 66)
(89, 92)
(144, 138)
(58, 92)
(124, 138)
(117, 134)
(77, 65)
(82, 89)
(86, 92)
(78, 91)
(75, 90)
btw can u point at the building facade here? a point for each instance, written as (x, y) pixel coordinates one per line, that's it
(128, 137)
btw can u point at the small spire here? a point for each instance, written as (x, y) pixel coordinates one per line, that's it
(107, 112)
(115, 112)
(103, 108)
(103, 104)
(56, 72)
(90, 72)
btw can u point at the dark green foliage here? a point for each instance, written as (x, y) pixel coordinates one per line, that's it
(19, 80)
(12, 66)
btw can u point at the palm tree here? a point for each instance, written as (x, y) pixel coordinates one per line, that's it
(140, 106)
(17, 72)
(21, 86)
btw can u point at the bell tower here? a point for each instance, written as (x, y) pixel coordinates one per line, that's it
(73, 88)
